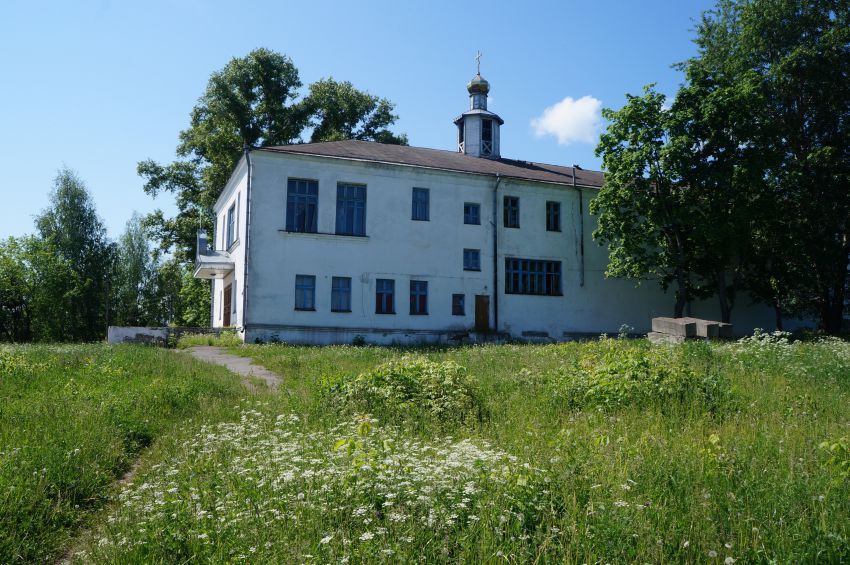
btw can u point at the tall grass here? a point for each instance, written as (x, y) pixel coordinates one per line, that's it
(72, 419)
(542, 477)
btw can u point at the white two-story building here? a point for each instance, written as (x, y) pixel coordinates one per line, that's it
(324, 242)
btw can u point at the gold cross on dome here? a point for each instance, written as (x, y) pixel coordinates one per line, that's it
(478, 60)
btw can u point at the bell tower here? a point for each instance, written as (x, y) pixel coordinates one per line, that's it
(478, 128)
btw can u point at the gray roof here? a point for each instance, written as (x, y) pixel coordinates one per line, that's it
(441, 159)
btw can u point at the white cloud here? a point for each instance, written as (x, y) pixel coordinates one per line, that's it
(571, 120)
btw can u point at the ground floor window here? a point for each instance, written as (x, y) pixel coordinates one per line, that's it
(305, 292)
(458, 305)
(532, 276)
(418, 297)
(341, 294)
(384, 296)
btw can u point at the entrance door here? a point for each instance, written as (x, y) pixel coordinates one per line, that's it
(482, 313)
(228, 296)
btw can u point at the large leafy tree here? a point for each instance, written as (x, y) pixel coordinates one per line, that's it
(645, 207)
(250, 101)
(134, 280)
(340, 111)
(784, 66)
(71, 228)
(253, 101)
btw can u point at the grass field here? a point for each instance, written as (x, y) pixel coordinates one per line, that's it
(72, 420)
(610, 451)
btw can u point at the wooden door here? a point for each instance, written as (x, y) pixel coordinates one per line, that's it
(482, 313)
(228, 296)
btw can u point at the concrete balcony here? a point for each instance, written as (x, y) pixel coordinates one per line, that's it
(209, 263)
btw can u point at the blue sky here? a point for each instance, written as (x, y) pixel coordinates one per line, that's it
(99, 86)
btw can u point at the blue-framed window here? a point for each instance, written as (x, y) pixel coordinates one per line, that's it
(458, 305)
(471, 260)
(421, 204)
(532, 276)
(511, 206)
(472, 213)
(231, 227)
(350, 209)
(418, 298)
(305, 292)
(553, 216)
(341, 294)
(384, 296)
(302, 206)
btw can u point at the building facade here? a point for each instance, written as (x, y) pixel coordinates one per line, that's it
(325, 242)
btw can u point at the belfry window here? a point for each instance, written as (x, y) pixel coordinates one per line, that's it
(486, 137)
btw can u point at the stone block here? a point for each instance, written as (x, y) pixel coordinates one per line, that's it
(674, 326)
(658, 337)
(705, 328)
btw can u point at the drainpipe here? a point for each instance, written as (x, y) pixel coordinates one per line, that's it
(496, 253)
(580, 227)
(247, 149)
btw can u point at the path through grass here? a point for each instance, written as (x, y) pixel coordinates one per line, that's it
(72, 420)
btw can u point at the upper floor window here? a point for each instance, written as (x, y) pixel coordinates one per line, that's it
(486, 137)
(553, 216)
(341, 294)
(385, 296)
(418, 297)
(471, 213)
(421, 204)
(471, 260)
(302, 205)
(532, 276)
(231, 227)
(350, 209)
(511, 211)
(305, 292)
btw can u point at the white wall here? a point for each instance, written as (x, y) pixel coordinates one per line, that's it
(234, 193)
(398, 248)
(395, 247)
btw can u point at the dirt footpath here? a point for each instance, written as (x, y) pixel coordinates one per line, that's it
(243, 366)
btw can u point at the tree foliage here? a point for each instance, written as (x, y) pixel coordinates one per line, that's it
(71, 230)
(340, 111)
(760, 136)
(253, 101)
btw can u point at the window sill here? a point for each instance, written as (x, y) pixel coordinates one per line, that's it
(385, 313)
(478, 270)
(553, 231)
(472, 223)
(419, 313)
(512, 227)
(342, 311)
(305, 309)
(322, 235)
(420, 220)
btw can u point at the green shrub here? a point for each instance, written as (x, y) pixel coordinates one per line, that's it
(227, 338)
(611, 374)
(411, 386)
